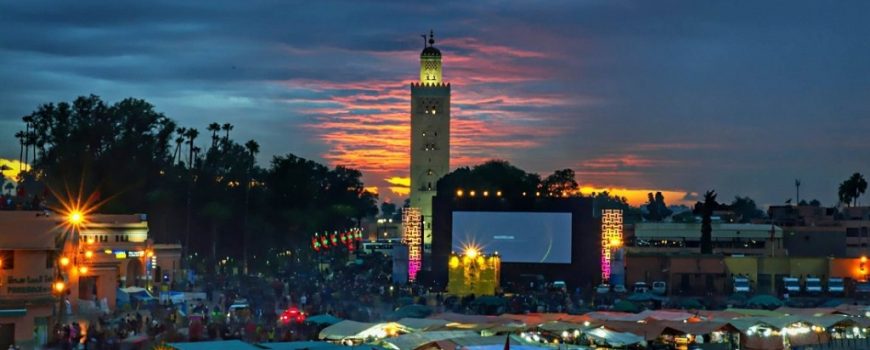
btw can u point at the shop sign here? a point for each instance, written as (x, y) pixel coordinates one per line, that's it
(29, 284)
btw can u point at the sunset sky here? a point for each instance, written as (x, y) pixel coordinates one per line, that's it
(680, 96)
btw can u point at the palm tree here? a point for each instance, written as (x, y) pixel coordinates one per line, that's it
(851, 189)
(707, 209)
(182, 133)
(191, 134)
(860, 186)
(28, 120)
(20, 136)
(214, 128)
(253, 148)
(227, 127)
(216, 213)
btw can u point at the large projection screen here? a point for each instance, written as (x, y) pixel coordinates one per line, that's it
(519, 237)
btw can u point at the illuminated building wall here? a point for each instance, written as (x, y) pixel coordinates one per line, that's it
(611, 239)
(430, 135)
(476, 274)
(413, 238)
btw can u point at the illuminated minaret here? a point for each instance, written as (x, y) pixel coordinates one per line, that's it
(430, 134)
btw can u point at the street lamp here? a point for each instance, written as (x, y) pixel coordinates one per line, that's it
(75, 218)
(58, 287)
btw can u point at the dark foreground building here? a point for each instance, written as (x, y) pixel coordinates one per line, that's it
(573, 246)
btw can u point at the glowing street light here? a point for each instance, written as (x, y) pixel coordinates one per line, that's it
(64, 261)
(76, 218)
(83, 270)
(89, 254)
(58, 285)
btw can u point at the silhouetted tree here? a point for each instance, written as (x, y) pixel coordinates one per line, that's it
(706, 210)
(20, 136)
(214, 128)
(125, 151)
(851, 189)
(388, 210)
(656, 209)
(560, 183)
(493, 176)
(253, 148)
(746, 209)
(227, 127)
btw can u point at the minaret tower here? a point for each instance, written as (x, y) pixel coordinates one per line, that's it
(430, 134)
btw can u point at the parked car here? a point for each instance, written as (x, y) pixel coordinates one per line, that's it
(603, 288)
(659, 287)
(619, 288)
(641, 287)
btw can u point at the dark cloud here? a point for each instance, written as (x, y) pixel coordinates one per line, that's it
(738, 96)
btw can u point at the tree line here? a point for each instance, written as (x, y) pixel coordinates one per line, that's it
(210, 196)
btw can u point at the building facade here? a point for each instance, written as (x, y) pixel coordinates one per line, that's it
(93, 260)
(430, 135)
(27, 271)
(824, 231)
(749, 239)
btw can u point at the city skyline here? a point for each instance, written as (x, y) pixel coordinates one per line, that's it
(680, 98)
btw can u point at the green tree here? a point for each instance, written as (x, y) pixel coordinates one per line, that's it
(211, 201)
(115, 149)
(851, 189)
(656, 209)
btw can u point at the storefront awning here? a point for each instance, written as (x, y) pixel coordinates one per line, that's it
(12, 312)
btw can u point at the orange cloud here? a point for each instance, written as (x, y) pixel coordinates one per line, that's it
(399, 181)
(367, 124)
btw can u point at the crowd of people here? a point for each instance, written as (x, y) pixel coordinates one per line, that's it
(249, 308)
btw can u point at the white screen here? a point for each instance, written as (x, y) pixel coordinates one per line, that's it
(520, 237)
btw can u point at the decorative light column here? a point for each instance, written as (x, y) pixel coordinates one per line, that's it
(611, 239)
(413, 237)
